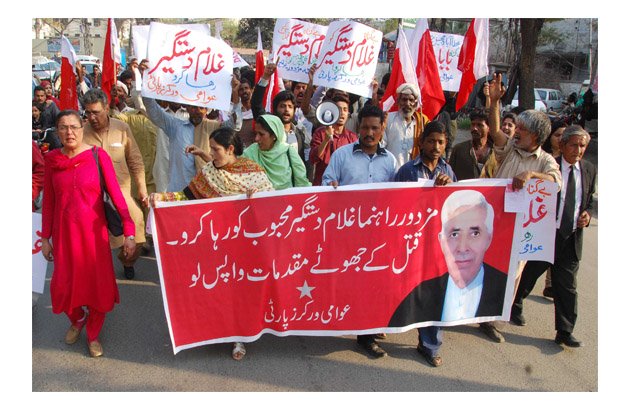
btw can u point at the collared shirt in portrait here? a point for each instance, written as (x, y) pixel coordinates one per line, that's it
(462, 303)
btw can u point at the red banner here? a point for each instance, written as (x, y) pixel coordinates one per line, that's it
(315, 261)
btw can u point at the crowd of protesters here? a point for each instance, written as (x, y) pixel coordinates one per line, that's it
(143, 151)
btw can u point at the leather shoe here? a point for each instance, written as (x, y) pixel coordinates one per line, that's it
(492, 332)
(95, 349)
(129, 272)
(518, 319)
(374, 349)
(72, 334)
(434, 361)
(568, 340)
(547, 292)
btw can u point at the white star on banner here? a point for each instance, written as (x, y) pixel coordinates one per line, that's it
(305, 290)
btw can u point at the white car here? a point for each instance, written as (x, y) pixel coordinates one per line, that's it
(552, 98)
(539, 105)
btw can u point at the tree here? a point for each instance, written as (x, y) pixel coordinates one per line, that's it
(248, 34)
(59, 25)
(530, 31)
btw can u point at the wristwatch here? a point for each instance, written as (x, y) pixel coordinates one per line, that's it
(131, 237)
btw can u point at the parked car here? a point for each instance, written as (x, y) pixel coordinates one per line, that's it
(539, 105)
(35, 83)
(552, 98)
(87, 58)
(48, 70)
(89, 65)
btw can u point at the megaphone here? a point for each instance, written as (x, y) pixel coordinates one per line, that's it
(327, 113)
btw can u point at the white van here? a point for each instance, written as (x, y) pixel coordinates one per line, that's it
(539, 105)
(553, 99)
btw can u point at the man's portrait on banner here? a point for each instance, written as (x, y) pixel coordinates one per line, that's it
(470, 288)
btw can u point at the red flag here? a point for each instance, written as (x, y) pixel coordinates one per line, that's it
(473, 59)
(273, 88)
(422, 50)
(111, 57)
(68, 94)
(403, 71)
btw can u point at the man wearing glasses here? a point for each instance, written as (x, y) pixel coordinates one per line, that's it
(115, 137)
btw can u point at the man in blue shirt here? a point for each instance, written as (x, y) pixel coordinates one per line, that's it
(184, 133)
(363, 162)
(429, 166)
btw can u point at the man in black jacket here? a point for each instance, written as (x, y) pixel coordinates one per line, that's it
(574, 204)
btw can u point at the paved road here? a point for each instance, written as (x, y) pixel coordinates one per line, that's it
(138, 354)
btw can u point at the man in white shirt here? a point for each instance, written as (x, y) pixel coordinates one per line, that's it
(404, 127)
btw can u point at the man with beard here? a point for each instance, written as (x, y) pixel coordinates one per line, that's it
(299, 90)
(194, 131)
(283, 106)
(468, 158)
(328, 139)
(247, 131)
(404, 127)
(364, 161)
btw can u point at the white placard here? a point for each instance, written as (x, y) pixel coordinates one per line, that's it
(40, 264)
(297, 45)
(348, 57)
(188, 67)
(447, 51)
(539, 222)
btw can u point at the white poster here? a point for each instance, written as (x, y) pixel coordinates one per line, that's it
(140, 34)
(237, 60)
(188, 66)
(539, 222)
(348, 57)
(447, 51)
(39, 262)
(297, 45)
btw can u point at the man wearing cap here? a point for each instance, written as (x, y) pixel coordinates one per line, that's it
(403, 127)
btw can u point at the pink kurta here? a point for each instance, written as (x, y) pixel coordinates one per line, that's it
(73, 216)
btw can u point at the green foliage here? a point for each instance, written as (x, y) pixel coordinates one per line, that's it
(550, 36)
(248, 35)
(463, 122)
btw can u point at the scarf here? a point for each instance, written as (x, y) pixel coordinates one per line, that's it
(275, 161)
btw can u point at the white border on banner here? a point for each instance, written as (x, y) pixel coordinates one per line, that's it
(18, 353)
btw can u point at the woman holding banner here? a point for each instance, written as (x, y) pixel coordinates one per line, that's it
(226, 175)
(283, 165)
(83, 283)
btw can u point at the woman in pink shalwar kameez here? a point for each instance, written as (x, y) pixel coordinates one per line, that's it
(83, 284)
